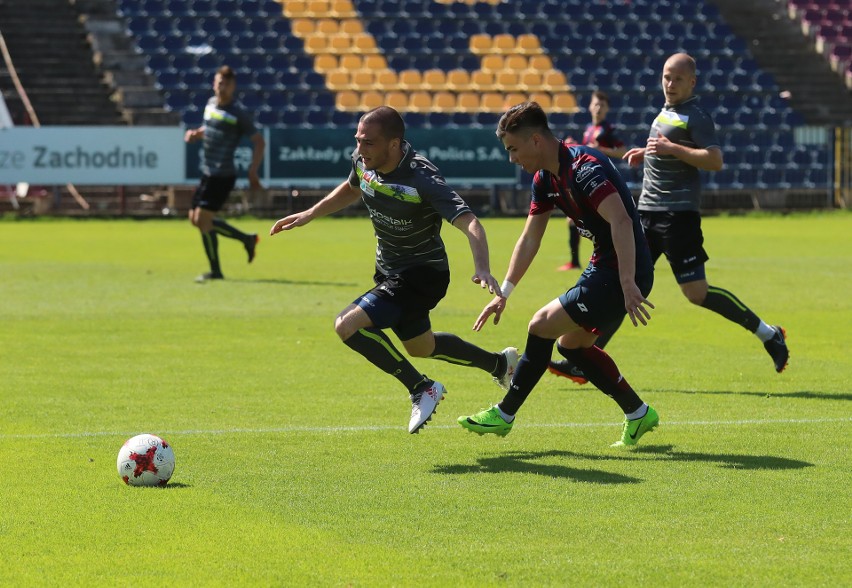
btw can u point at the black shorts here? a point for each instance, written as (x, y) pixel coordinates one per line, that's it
(596, 302)
(677, 234)
(402, 301)
(212, 192)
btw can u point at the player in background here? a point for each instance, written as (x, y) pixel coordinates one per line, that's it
(682, 142)
(225, 122)
(407, 199)
(585, 185)
(600, 134)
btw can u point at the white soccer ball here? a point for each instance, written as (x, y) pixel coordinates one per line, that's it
(146, 460)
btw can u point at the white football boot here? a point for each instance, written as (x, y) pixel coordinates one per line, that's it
(423, 405)
(512, 357)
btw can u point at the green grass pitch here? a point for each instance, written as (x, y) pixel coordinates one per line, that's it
(294, 465)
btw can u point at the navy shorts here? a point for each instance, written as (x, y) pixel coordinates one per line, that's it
(677, 234)
(402, 301)
(212, 192)
(596, 302)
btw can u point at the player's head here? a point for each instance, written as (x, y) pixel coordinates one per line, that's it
(525, 134)
(599, 106)
(380, 135)
(678, 78)
(224, 84)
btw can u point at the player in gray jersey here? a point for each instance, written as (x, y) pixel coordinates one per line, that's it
(225, 123)
(683, 142)
(408, 200)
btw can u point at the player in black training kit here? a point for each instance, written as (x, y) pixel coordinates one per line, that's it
(225, 123)
(682, 142)
(586, 186)
(407, 200)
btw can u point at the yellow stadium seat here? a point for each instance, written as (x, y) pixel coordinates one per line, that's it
(491, 102)
(346, 100)
(434, 79)
(468, 102)
(527, 44)
(506, 80)
(544, 100)
(327, 26)
(482, 80)
(371, 100)
(420, 102)
(315, 44)
(503, 43)
(397, 100)
(443, 102)
(458, 79)
(294, 8)
(516, 63)
(365, 43)
(350, 62)
(492, 63)
(338, 79)
(542, 63)
(555, 80)
(302, 27)
(325, 62)
(513, 98)
(564, 103)
(375, 61)
(410, 79)
(317, 8)
(480, 44)
(351, 26)
(531, 80)
(363, 80)
(386, 79)
(341, 8)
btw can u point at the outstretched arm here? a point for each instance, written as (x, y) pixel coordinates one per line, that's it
(525, 251)
(468, 224)
(338, 199)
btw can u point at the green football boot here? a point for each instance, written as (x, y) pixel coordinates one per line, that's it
(634, 429)
(487, 421)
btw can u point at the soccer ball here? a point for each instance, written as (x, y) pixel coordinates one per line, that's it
(146, 460)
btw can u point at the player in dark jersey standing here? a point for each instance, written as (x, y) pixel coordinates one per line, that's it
(600, 134)
(225, 122)
(585, 185)
(407, 200)
(681, 143)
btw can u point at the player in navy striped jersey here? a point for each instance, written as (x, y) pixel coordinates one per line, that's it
(225, 122)
(586, 186)
(599, 134)
(408, 200)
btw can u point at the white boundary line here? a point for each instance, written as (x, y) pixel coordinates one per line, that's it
(296, 429)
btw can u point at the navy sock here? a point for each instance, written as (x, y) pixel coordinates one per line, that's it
(601, 371)
(229, 231)
(211, 248)
(574, 243)
(530, 368)
(374, 345)
(453, 349)
(729, 306)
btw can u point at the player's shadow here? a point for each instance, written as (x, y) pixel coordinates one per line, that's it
(285, 282)
(806, 394)
(529, 463)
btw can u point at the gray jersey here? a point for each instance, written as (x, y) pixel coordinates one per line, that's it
(223, 128)
(407, 206)
(669, 183)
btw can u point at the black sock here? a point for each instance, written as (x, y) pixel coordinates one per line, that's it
(729, 306)
(601, 371)
(229, 231)
(373, 344)
(574, 243)
(530, 368)
(211, 248)
(454, 349)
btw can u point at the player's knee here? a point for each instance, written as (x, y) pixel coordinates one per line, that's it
(695, 296)
(537, 324)
(342, 327)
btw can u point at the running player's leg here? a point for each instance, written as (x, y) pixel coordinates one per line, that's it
(249, 240)
(206, 202)
(687, 256)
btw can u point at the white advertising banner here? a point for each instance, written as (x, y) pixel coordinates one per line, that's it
(92, 155)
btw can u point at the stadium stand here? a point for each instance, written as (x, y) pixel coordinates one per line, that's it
(461, 62)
